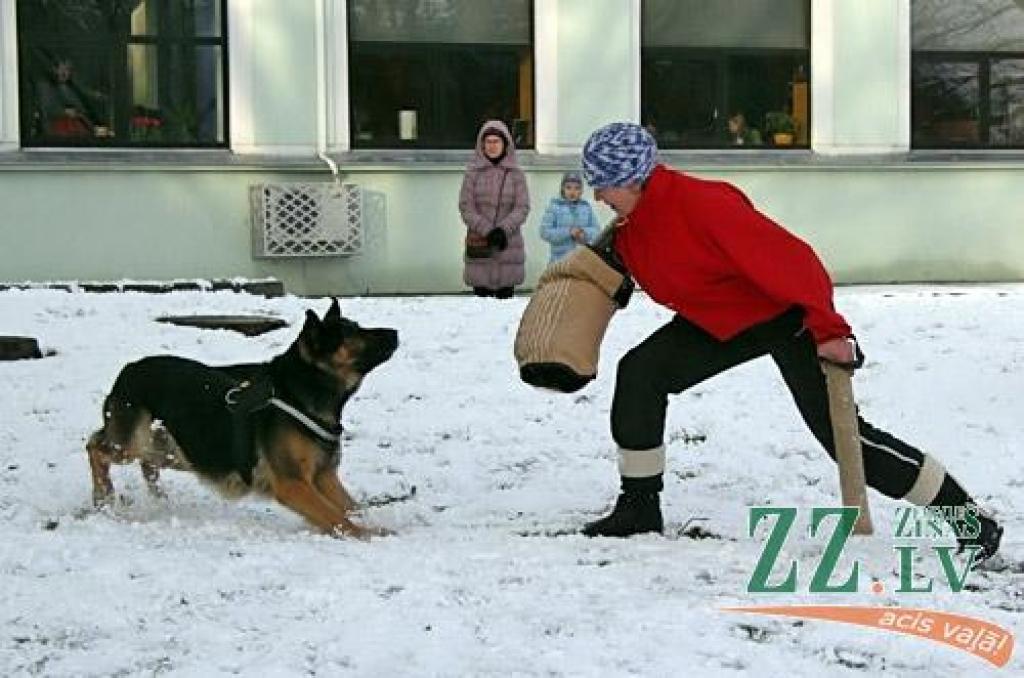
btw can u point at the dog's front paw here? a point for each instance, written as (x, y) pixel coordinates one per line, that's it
(360, 532)
(350, 530)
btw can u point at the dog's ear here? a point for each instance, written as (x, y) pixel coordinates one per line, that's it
(310, 334)
(334, 312)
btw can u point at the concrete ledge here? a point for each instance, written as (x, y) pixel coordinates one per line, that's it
(267, 288)
(399, 160)
(173, 160)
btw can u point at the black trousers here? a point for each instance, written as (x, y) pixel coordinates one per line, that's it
(681, 355)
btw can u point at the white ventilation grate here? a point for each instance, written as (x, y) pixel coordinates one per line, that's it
(306, 219)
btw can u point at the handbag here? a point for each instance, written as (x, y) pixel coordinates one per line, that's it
(477, 246)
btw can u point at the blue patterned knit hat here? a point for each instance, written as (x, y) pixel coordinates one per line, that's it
(619, 154)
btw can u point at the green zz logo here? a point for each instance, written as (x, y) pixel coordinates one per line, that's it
(846, 517)
(785, 517)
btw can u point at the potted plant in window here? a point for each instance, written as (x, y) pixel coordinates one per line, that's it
(780, 126)
(145, 124)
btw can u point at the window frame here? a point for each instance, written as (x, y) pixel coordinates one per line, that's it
(9, 120)
(349, 104)
(123, 102)
(721, 55)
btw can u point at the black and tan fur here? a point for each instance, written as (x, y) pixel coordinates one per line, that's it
(161, 413)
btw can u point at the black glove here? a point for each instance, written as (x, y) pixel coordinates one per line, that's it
(858, 355)
(624, 293)
(497, 239)
(604, 247)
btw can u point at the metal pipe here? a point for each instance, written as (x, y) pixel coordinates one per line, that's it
(321, 89)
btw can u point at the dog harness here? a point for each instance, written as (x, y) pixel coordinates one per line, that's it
(248, 397)
(330, 437)
(209, 412)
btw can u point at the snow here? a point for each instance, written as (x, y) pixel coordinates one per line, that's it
(193, 585)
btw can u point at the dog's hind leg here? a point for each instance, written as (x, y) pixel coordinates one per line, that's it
(151, 474)
(125, 434)
(100, 459)
(154, 457)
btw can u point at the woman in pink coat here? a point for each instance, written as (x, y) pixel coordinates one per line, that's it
(494, 202)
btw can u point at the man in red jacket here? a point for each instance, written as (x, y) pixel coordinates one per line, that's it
(741, 287)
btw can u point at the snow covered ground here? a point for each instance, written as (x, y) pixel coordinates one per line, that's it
(197, 586)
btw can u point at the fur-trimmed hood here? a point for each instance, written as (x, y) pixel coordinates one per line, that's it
(479, 160)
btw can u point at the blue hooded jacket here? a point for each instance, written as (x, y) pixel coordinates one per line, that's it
(560, 218)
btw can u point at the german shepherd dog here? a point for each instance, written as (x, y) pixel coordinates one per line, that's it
(271, 428)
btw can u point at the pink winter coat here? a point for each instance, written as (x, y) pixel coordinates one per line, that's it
(478, 201)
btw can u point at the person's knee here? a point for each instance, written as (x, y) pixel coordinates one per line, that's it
(638, 407)
(633, 368)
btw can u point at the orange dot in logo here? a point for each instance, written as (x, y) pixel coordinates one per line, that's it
(877, 587)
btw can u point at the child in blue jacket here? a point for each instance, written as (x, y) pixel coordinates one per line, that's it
(569, 219)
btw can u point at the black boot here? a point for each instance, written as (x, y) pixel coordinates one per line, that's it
(637, 510)
(990, 533)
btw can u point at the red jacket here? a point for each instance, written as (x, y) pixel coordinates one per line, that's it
(701, 248)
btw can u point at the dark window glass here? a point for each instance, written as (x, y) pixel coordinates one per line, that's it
(1006, 121)
(967, 74)
(726, 73)
(428, 73)
(115, 73)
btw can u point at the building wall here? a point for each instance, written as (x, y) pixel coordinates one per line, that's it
(870, 224)
(284, 73)
(874, 212)
(273, 76)
(597, 67)
(860, 75)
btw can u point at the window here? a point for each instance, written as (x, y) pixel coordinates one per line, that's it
(428, 73)
(726, 74)
(122, 73)
(967, 73)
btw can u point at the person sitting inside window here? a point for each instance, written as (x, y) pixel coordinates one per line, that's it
(740, 134)
(63, 106)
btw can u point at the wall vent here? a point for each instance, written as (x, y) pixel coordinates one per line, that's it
(323, 219)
